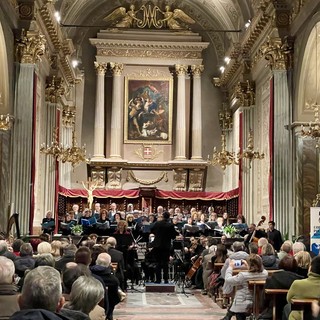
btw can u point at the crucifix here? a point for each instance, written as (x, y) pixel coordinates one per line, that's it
(90, 186)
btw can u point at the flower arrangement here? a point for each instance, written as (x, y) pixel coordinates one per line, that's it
(77, 229)
(229, 231)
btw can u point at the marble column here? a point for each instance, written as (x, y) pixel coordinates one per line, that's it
(99, 126)
(116, 113)
(181, 134)
(30, 47)
(196, 113)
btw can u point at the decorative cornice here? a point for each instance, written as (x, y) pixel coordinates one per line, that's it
(196, 70)
(54, 89)
(26, 10)
(30, 47)
(100, 68)
(181, 69)
(278, 53)
(131, 176)
(117, 68)
(244, 94)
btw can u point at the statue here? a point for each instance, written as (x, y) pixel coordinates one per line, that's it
(120, 18)
(172, 17)
(91, 186)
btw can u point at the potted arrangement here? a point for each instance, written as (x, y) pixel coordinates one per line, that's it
(229, 231)
(77, 229)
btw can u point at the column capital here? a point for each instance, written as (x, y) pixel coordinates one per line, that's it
(100, 68)
(278, 52)
(68, 116)
(181, 69)
(30, 47)
(54, 89)
(197, 69)
(117, 68)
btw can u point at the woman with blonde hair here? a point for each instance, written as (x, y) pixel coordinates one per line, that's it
(303, 259)
(56, 246)
(44, 247)
(268, 256)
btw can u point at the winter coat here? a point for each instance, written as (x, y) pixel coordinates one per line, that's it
(243, 299)
(8, 300)
(270, 262)
(21, 264)
(239, 255)
(37, 314)
(74, 314)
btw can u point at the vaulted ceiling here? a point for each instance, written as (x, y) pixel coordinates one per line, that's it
(212, 17)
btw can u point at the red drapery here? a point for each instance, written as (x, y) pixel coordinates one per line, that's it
(240, 163)
(271, 137)
(176, 195)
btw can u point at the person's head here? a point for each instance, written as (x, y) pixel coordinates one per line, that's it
(103, 214)
(49, 214)
(252, 227)
(7, 270)
(254, 263)
(68, 217)
(97, 207)
(166, 215)
(16, 245)
(44, 247)
(117, 217)
(271, 225)
(315, 265)
(297, 247)
(42, 290)
(286, 246)
(225, 215)
(113, 206)
(267, 250)
(45, 259)
(86, 293)
(190, 221)
(160, 210)
(288, 263)
(151, 218)
(69, 249)
(177, 210)
(303, 259)
(112, 242)
(104, 259)
(56, 246)
(221, 252)
(71, 273)
(238, 246)
(26, 250)
(219, 221)
(87, 213)
(130, 207)
(83, 256)
(3, 246)
(75, 208)
(122, 225)
(253, 247)
(262, 242)
(129, 218)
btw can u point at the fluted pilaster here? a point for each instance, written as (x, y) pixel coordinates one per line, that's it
(99, 126)
(196, 113)
(116, 116)
(181, 125)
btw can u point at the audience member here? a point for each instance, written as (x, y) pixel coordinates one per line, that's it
(268, 256)
(285, 249)
(41, 296)
(25, 261)
(44, 247)
(68, 256)
(8, 290)
(304, 260)
(45, 259)
(4, 251)
(297, 247)
(16, 246)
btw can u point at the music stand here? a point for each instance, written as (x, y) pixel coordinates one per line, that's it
(180, 275)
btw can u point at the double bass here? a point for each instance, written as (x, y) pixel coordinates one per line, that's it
(194, 268)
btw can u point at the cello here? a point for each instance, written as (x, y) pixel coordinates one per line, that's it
(195, 266)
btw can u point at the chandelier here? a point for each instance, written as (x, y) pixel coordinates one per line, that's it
(74, 154)
(6, 121)
(249, 152)
(224, 157)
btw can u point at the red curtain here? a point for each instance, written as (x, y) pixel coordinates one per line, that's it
(271, 137)
(240, 163)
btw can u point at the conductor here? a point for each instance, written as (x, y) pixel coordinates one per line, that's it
(164, 232)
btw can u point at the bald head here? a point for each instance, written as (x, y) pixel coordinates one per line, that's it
(104, 259)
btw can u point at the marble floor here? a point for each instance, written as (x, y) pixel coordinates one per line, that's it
(170, 306)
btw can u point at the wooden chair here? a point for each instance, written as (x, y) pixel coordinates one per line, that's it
(274, 294)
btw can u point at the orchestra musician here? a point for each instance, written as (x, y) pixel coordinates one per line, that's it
(164, 232)
(48, 223)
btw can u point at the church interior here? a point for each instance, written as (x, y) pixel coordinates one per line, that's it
(181, 100)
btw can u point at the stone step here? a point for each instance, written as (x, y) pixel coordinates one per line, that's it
(160, 287)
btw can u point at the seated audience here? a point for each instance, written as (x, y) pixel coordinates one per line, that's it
(4, 251)
(44, 247)
(25, 261)
(297, 247)
(8, 290)
(56, 247)
(243, 299)
(304, 260)
(302, 289)
(261, 242)
(268, 256)
(86, 293)
(285, 249)
(16, 246)
(68, 256)
(45, 259)
(41, 296)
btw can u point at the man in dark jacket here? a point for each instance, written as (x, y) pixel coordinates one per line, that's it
(103, 270)
(25, 261)
(274, 236)
(69, 252)
(164, 232)
(41, 295)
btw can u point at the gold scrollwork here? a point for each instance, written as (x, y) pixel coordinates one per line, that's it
(131, 176)
(54, 89)
(117, 68)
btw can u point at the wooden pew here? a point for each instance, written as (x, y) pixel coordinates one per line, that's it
(258, 286)
(274, 294)
(303, 305)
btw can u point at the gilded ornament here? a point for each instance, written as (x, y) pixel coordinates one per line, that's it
(131, 176)
(197, 70)
(117, 68)
(54, 89)
(114, 178)
(68, 116)
(181, 69)
(100, 68)
(99, 176)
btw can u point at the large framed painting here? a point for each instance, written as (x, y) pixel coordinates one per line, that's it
(148, 111)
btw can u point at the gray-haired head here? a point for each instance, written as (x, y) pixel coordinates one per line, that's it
(42, 290)
(3, 246)
(297, 247)
(26, 250)
(112, 242)
(104, 259)
(86, 293)
(6, 270)
(45, 259)
(238, 246)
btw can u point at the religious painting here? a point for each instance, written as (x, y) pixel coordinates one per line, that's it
(148, 111)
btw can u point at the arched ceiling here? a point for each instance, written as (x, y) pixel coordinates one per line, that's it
(211, 16)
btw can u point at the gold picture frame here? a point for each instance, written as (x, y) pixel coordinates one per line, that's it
(148, 110)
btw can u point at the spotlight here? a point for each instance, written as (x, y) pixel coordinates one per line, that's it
(227, 60)
(247, 25)
(57, 16)
(75, 63)
(222, 68)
